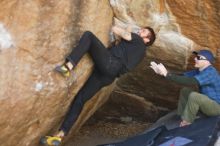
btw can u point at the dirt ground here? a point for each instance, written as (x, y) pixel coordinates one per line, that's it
(106, 132)
(115, 122)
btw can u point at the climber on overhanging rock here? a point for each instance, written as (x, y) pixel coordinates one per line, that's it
(108, 64)
(206, 77)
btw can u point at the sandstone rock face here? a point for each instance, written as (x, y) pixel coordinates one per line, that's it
(35, 36)
(181, 26)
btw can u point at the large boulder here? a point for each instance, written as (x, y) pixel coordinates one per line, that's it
(35, 36)
(181, 27)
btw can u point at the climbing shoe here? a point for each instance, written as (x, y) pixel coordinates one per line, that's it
(63, 70)
(50, 141)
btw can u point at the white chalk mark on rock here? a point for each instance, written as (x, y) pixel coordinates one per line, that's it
(5, 38)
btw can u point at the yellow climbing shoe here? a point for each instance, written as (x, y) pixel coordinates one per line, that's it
(50, 141)
(63, 70)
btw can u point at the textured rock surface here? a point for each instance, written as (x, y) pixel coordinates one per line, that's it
(182, 26)
(36, 35)
(33, 98)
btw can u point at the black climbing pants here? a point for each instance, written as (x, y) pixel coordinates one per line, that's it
(106, 69)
